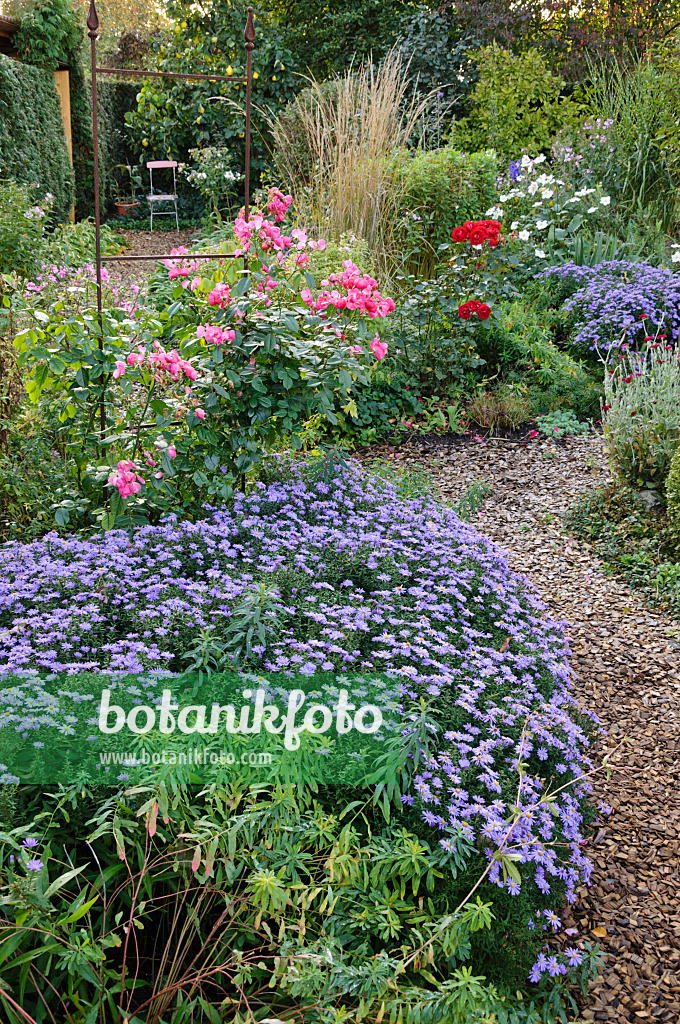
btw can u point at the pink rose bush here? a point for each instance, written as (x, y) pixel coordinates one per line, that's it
(228, 356)
(352, 291)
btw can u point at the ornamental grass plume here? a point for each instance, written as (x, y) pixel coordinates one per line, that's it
(641, 414)
(354, 134)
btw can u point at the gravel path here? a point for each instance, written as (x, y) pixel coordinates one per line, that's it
(627, 664)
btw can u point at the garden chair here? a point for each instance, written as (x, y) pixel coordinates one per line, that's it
(162, 197)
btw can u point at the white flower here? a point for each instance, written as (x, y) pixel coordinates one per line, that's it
(540, 159)
(540, 224)
(502, 199)
(533, 188)
(524, 236)
(605, 200)
(592, 209)
(514, 225)
(496, 212)
(675, 258)
(526, 161)
(547, 192)
(539, 253)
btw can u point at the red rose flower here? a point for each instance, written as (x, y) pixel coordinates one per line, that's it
(492, 241)
(464, 311)
(470, 225)
(483, 311)
(459, 234)
(477, 236)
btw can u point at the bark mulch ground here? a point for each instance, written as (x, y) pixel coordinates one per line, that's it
(627, 665)
(147, 243)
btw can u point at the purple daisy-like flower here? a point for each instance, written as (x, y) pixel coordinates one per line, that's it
(35, 865)
(574, 956)
(555, 968)
(30, 843)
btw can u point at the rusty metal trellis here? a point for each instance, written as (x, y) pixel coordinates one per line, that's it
(93, 32)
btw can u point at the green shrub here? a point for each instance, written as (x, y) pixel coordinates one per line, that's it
(11, 385)
(673, 491)
(32, 140)
(638, 540)
(22, 227)
(32, 474)
(522, 343)
(517, 104)
(380, 406)
(442, 188)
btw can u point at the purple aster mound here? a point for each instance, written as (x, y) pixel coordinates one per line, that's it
(619, 301)
(362, 581)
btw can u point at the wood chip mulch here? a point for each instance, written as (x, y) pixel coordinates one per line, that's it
(147, 243)
(626, 658)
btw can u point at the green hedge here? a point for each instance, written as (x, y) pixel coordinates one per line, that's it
(32, 141)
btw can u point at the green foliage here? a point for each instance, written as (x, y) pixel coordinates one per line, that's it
(430, 40)
(641, 416)
(428, 338)
(326, 37)
(115, 100)
(32, 473)
(517, 105)
(51, 32)
(336, 898)
(561, 423)
(174, 117)
(32, 141)
(73, 245)
(379, 406)
(673, 492)
(635, 99)
(22, 227)
(441, 188)
(48, 32)
(522, 343)
(214, 177)
(473, 499)
(11, 387)
(634, 539)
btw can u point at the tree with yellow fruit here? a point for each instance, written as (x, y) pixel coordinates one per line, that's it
(176, 117)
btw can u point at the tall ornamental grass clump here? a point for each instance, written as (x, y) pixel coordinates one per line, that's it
(339, 146)
(633, 101)
(641, 414)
